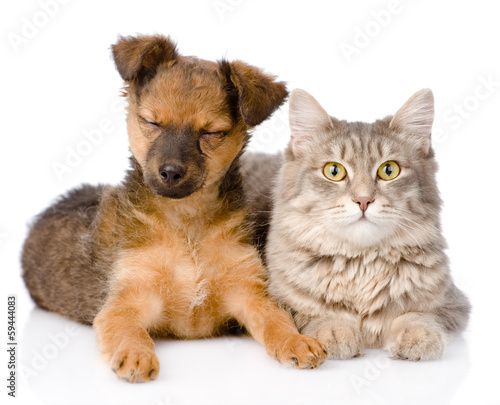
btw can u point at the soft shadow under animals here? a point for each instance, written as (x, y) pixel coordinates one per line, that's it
(61, 364)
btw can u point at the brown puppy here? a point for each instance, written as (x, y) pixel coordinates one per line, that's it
(167, 253)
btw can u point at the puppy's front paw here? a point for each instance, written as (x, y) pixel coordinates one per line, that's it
(135, 364)
(298, 350)
(340, 334)
(416, 341)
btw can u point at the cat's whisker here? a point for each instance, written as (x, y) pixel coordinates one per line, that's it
(323, 214)
(407, 231)
(415, 226)
(406, 218)
(324, 211)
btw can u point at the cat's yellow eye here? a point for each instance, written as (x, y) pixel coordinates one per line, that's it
(334, 171)
(388, 170)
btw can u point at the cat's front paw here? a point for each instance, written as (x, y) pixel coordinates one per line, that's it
(416, 341)
(340, 334)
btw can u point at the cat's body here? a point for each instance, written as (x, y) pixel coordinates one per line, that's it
(258, 172)
(357, 260)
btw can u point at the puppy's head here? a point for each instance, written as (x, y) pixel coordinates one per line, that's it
(188, 118)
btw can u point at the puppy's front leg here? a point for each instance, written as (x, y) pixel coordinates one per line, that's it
(273, 327)
(121, 328)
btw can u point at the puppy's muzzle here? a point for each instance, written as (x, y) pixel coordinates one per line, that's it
(175, 166)
(171, 174)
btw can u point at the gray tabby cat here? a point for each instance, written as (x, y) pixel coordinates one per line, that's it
(355, 250)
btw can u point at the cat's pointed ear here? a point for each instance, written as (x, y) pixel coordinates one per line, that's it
(414, 120)
(307, 119)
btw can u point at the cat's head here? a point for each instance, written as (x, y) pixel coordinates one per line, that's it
(357, 183)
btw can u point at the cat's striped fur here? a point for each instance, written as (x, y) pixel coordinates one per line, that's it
(354, 278)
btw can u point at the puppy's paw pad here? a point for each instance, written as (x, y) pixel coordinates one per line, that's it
(301, 351)
(135, 364)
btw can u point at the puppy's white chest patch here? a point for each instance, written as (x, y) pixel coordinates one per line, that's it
(200, 294)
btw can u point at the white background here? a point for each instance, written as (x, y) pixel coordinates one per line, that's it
(58, 82)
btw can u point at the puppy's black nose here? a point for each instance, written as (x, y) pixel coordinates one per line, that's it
(171, 174)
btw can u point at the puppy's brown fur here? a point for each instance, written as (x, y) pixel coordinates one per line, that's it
(167, 252)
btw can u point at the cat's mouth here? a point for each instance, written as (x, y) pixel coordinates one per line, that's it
(366, 222)
(362, 221)
(364, 218)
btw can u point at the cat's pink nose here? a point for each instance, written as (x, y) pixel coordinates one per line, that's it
(363, 202)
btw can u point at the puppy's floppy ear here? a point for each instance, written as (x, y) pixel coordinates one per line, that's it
(259, 94)
(138, 58)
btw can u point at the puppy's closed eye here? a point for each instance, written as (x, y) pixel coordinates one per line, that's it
(212, 133)
(209, 140)
(150, 124)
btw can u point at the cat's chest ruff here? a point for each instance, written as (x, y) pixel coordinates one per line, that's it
(362, 283)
